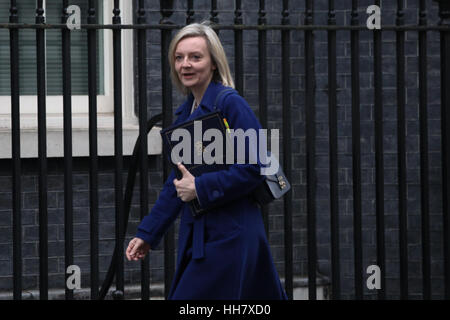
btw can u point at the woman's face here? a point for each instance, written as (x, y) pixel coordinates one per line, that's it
(193, 64)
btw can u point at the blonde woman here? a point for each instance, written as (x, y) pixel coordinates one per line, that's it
(224, 253)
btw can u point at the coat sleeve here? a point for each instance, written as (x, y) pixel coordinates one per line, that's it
(166, 209)
(220, 187)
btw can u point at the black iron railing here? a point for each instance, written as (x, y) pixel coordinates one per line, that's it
(166, 27)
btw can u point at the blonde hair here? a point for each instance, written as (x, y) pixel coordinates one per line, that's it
(219, 59)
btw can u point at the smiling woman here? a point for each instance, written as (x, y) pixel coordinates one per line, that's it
(222, 253)
(204, 43)
(194, 66)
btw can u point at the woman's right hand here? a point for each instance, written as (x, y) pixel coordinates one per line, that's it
(137, 249)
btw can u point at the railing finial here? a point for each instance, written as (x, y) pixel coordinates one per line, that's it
(285, 13)
(238, 13)
(214, 12)
(262, 12)
(444, 12)
(40, 12)
(190, 12)
(166, 9)
(141, 13)
(13, 17)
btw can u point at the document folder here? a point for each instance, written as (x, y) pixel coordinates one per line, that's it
(188, 144)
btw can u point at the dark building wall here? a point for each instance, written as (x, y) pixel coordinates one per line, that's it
(81, 215)
(276, 234)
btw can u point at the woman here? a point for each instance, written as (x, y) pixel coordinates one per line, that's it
(224, 253)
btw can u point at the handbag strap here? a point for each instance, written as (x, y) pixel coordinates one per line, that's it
(222, 93)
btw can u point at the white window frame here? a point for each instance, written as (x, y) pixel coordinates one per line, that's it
(80, 103)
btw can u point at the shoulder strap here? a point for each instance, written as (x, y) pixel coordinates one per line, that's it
(222, 93)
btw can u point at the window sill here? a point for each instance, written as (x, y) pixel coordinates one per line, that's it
(80, 136)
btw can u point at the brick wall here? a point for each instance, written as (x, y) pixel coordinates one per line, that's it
(81, 212)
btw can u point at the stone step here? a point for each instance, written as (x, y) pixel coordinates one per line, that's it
(133, 292)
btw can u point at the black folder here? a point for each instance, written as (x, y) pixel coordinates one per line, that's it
(213, 120)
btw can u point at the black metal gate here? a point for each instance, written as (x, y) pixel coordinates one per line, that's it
(309, 29)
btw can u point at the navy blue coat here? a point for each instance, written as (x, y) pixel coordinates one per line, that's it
(223, 254)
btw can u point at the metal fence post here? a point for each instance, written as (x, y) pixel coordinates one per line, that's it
(68, 174)
(333, 151)
(379, 157)
(238, 50)
(118, 151)
(310, 88)
(444, 14)
(166, 7)
(143, 159)
(42, 153)
(356, 153)
(262, 86)
(424, 163)
(15, 140)
(287, 148)
(401, 138)
(93, 151)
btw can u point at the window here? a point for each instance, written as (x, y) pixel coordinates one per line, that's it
(27, 54)
(79, 75)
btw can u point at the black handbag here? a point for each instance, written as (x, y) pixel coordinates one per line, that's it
(273, 187)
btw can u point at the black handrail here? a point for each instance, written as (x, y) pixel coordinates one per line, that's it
(117, 294)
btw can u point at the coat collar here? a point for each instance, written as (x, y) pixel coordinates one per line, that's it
(207, 102)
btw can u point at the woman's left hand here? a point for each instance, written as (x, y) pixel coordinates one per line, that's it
(186, 185)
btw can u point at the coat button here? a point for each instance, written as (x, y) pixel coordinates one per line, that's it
(216, 194)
